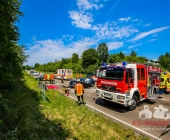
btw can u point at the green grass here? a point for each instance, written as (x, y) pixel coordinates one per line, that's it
(59, 119)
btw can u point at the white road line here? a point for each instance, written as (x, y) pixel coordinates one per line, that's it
(122, 121)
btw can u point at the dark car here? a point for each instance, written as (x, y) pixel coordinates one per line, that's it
(88, 82)
(74, 81)
(40, 78)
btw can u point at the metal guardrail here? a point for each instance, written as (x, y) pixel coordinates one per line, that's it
(42, 90)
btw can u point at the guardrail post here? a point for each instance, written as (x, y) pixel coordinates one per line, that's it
(42, 90)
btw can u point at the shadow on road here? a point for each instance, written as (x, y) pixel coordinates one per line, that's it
(111, 105)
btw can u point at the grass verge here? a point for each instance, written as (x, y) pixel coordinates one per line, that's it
(60, 119)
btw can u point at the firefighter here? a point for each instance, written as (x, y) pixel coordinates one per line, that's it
(77, 76)
(81, 76)
(62, 78)
(79, 91)
(52, 78)
(45, 77)
(48, 77)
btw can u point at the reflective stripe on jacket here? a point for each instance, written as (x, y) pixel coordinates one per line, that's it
(79, 88)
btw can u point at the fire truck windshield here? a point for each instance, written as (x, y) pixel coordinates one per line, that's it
(111, 73)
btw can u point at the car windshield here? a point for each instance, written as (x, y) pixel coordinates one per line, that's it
(114, 73)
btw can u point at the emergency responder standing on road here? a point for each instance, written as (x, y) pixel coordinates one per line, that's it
(79, 91)
(81, 76)
(62, 78)
(45, 77)
(52, 78)
(77, 76)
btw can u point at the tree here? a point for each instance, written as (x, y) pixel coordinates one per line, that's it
(102, 51)
(89, 57)
(164, 60)
(36, 65)
(133, 54)
(11, 58)
(75, 58)
(113, 58)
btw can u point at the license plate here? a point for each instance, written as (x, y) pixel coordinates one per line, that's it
(107, 94)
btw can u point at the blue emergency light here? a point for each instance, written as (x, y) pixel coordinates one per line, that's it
(104, 64)
(123, 63)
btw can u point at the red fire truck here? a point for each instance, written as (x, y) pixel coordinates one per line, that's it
(128, 83)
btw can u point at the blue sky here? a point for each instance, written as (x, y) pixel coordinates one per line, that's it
(52, 29)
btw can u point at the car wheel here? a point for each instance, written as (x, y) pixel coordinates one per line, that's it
(92, 84)
(133, 103)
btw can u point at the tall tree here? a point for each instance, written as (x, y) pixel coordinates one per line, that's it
(133, 54)
(102, 51)
(11, 55)
(75, 58)
(89, 57)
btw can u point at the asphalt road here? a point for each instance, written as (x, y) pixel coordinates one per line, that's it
(142, 121)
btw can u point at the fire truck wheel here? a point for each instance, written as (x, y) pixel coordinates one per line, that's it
(133, 103)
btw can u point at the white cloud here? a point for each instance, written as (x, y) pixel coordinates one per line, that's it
(149, 24)
(144, 34)
(87, 5)
(152, 40)
(125, 19)
(81, 19)
(135, 20)
(45, 51)
(114, 45)
(134, 46)
(112, 31)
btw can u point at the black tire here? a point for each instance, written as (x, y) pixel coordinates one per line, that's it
(134, 103)
(106, 101)
(92, 84)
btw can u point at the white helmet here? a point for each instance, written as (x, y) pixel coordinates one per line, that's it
(78, 80)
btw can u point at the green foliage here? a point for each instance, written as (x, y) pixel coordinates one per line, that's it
(164, 60)
(75, 58)
(102, 51)
(133, 53)
(36, 65)
(12, 55)
(27, 117)
(113, 58)
(89, 57)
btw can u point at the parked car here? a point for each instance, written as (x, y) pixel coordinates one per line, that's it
(73, 82)
(31, 72)
(40, 78)
(88, 82)
(91, 75)
(35, 74)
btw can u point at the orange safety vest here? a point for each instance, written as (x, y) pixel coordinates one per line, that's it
(45, 76)
(79, 88)
(52, 76)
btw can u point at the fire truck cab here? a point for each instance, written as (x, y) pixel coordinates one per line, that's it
(128, 83)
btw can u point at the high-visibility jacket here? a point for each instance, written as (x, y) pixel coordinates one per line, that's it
(48, 77)
(77, 76)
(79, 88)
(45, 76)
(52, 77)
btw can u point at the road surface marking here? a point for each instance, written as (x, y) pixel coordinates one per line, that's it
(122, 121)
